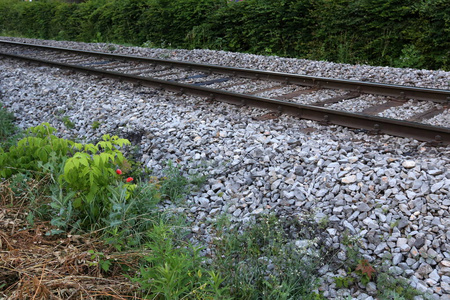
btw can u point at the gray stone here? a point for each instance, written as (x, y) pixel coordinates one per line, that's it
(436, 221)
(420, 241)
(435, 172)
(380, 248)
(421, 287)
(299, 195)
(349, 226)
(374, 238)
(417, 184)
(258, 211)
(237, 212)
(445, 287)
(396, 271)
(409, 164)
(257, 153)
(400, 197)
(338, 210)
(402, 243)
(204, 202)
(397, 258)
(372, 224)
(321, 192)
(402, 223)
(411, 194)
(302, 243)
(349, 179)
(342, 256)
(275, 184)
(332, 231)
(435, 187)
(434, 275)
(371, 287)
(353, 216)
(217, 186)
(299, 171)
(362, 207)
(424, 269)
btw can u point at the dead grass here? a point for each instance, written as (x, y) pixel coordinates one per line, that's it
(34, 265)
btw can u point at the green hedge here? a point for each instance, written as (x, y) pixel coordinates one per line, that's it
(403, 33)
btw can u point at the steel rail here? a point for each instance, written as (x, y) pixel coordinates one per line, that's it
(391, 90)
(432, 134)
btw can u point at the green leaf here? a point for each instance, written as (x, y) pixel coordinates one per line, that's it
(77, 146)
(91, 148)
(105, 264)
(98, 161)
(42, 154)
(77, 203)
(83, 159)
(91, 180)
(106, 146)
(83, 173)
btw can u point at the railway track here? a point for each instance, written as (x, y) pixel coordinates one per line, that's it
(356, 104)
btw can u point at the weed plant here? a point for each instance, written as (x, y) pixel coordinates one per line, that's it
(394, 287)
(95, 125)
(39, 151)
(262, 263)
(175, 188)
(7, 127)
(67, 122)
(175, 270)
(129, 221)
(363, 272)
(8, 131)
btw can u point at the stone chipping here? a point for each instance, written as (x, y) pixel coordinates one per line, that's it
(390, 194)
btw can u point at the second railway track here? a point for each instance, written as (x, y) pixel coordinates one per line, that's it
(315, 98)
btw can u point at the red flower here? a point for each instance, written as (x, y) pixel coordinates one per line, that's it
(119, 171)
(129, 179)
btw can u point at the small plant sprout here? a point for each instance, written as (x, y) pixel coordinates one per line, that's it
(95, 125)
(365, 270)
(67, 122)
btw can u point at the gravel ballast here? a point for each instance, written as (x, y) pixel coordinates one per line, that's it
(390, 194)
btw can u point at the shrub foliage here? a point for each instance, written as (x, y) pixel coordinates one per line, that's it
(402, 33)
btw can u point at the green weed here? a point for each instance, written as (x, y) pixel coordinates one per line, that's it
(7, 127)
(99, 259)
(360, 270)
(37, 149)
(129, 220)
(395, 288)
(175, 185)
(112, 48)
(95, 125)
(9, 133)
(344, 282)
(262, 263)
(67, 122)
(174, 270)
